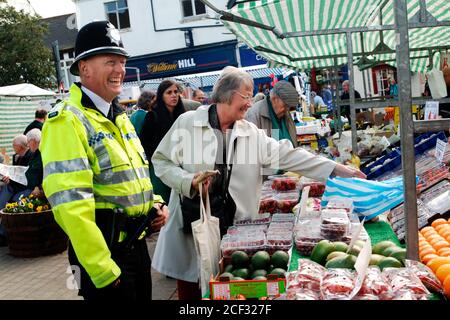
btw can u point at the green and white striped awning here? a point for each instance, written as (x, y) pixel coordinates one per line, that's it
(318, 15)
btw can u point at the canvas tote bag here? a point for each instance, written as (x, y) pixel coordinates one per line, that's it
(206, 234)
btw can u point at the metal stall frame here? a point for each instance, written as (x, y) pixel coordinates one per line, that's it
(423, 19)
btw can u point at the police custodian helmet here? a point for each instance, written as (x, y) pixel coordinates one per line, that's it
(96, 38)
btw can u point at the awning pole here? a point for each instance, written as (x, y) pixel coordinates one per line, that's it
(351, 79)
(406, 129)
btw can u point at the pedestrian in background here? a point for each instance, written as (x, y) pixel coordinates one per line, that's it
(39, 118)
(145, 103)
(168, 108)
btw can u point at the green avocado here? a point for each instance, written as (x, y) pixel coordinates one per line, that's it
(259, 278)
(280, 259)
(340, 246)
(228, 268)
(335, 254)
(389, 262)
(278, 271)
(400, 255)
(239, 259)
(321, 251)
(241, 273)
(260, 260)
(390, 250)
(258, 273)
(375, 259)
(346, 261)
(380, 246)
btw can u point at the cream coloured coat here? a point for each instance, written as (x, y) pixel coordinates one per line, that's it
(191, 146)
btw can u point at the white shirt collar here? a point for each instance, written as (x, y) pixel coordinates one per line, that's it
(99, 102)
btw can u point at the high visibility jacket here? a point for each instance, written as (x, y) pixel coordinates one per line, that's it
(91, 163)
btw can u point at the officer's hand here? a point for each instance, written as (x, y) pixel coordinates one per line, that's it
(5, 179)
(163, 216)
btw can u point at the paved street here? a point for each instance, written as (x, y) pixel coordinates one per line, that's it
(45, 278)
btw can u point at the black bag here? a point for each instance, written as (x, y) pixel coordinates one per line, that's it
(224, 209)
(222, 206)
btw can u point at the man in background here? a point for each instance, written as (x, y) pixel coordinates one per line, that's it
(198, 95)
(272, 113)
(39, 118)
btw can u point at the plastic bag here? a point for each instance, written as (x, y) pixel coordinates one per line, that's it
(337, 284)
(425, 275)
(437, 85)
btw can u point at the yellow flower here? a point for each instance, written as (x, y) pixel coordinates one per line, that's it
(30, 205)
(23, 200)
(39, 209)
(45, 207)
(8, 206)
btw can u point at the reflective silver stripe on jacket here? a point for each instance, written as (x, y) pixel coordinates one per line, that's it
(126, 201)
(66, 196)
(95, 140)
(109, 177)
(65, 166)
(130, 135)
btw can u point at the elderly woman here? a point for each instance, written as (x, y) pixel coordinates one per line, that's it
(214, 137)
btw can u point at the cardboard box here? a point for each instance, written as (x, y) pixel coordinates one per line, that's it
(225, 289)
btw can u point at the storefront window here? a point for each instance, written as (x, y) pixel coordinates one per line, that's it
(192, 8)
(117, 13)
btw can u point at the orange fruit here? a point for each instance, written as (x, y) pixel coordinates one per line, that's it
(446, 286)
(436, 239)
(441, 244)
(425, 229)
(438, 222)
(427, 258)
(442, 250)
(444, 232)
(426, 251)
(423, 243)
(442, 272)
(445, 254)
(442, 227)
(428, 233)
(435, 263)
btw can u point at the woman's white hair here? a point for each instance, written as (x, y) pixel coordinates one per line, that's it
(230, 80)
(34, 134)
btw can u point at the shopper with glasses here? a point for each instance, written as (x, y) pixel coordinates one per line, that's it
(167, 109)
(217, 137)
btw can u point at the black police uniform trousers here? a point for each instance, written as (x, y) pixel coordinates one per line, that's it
(135, 279)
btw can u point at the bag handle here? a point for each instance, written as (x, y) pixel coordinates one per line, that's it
(205, 212)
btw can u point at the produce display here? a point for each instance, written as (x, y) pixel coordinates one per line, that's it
(284, 183)
(257, 267)
(434, 251)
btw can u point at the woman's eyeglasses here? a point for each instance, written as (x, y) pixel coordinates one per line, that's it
(248, 98)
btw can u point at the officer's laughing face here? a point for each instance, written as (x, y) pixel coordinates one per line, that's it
(103, 74)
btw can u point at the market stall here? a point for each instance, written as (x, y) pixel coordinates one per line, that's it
(290, 33)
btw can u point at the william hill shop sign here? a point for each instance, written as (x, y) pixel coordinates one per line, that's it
(185, 61)
(164, 67)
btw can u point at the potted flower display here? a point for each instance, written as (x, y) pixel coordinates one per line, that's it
(31, 228)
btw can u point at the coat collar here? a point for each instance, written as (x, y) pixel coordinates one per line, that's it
(241, 127)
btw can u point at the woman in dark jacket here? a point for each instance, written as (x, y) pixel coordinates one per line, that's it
(157, 122)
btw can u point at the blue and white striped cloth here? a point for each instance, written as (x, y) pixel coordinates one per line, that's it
(370, 198)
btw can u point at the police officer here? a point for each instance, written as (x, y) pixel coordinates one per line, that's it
(96, 174)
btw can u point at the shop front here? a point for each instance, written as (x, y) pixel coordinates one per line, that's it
(184, 61)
